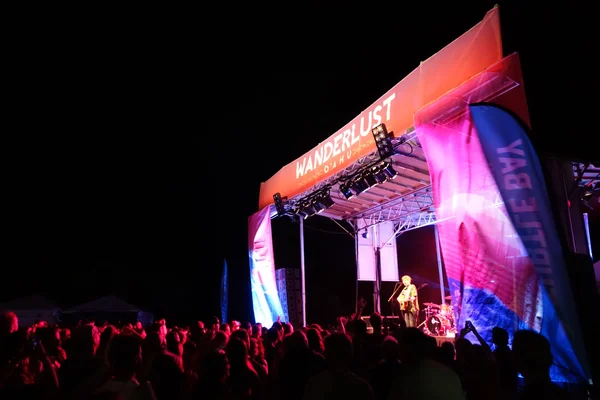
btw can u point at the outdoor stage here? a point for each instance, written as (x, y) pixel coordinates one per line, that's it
(449, 150)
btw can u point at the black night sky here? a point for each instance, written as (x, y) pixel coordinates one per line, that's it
(137, 147)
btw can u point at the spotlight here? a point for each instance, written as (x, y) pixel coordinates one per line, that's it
(279, 204)
(379, 175)
(306, 210)
(304, 214)
(389, 171)
(383, 140)
(323, 201)
(370, 179)
(317, 206)
(359, 185)
(345, 190)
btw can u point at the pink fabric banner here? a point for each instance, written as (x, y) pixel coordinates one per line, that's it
(504, 266)
(265, 299)
(487, 266)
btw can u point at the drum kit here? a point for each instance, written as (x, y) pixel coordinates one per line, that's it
(439, 319)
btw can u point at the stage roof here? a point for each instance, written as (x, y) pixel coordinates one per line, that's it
(468, 62)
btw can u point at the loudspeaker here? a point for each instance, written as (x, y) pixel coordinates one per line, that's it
(289, 289)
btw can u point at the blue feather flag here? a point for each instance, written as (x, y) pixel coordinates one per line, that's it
(224, 293)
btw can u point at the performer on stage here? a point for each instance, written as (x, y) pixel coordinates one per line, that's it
(409, 303)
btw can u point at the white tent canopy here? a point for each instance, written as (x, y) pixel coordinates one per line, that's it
(32, 308)
(111, 305)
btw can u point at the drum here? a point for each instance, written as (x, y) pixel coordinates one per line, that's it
(439, 325)
(435, 325)
(431, 309)
(447, 310)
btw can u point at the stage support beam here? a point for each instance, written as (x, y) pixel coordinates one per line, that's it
(355, 225)
(438, 249)
(377, 283)
(586, 224)
(302, 272)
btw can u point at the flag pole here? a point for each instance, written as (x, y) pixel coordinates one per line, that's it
(302, 272)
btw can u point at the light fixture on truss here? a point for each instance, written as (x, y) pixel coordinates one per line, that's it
(323, 201)
(316, 203)
(369, 178)
(358, 184)
(383, 140)
(279, 206)
(306, 209)
(346, 191)
(388, 170)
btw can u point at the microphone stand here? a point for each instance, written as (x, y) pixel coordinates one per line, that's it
(397, 286)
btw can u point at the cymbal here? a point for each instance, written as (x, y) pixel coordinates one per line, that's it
(448, 297)
(432, 305)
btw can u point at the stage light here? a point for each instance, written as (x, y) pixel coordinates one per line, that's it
(306, 209)
(345, 190)
(389, 171)
(279, 204)
(383, 140)
(318, 207)
(323, 201)
(359, 185)
(370, 179)
(304, 214)
(379, 175)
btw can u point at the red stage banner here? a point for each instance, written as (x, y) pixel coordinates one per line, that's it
(462, 59)
(265, 299)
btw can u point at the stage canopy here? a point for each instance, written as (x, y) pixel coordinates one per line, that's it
(472, 65)
(353, 146)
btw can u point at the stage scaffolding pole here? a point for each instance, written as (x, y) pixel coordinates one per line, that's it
(376, 242)
(355, 225)
(586, 224)
(439, 260)
(302, 272)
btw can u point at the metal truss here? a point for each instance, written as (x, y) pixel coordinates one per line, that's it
(412, 211)
(414, 221)
(417, 202)
(586, 175)
(371, 158)
(332, 180)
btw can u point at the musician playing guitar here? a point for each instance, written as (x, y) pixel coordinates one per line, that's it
(409, 303)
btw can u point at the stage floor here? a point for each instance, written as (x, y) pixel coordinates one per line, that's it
(442, 339)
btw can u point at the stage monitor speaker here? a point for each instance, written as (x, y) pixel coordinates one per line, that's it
(387, 321)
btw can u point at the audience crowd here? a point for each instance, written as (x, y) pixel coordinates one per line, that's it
(227, 361)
